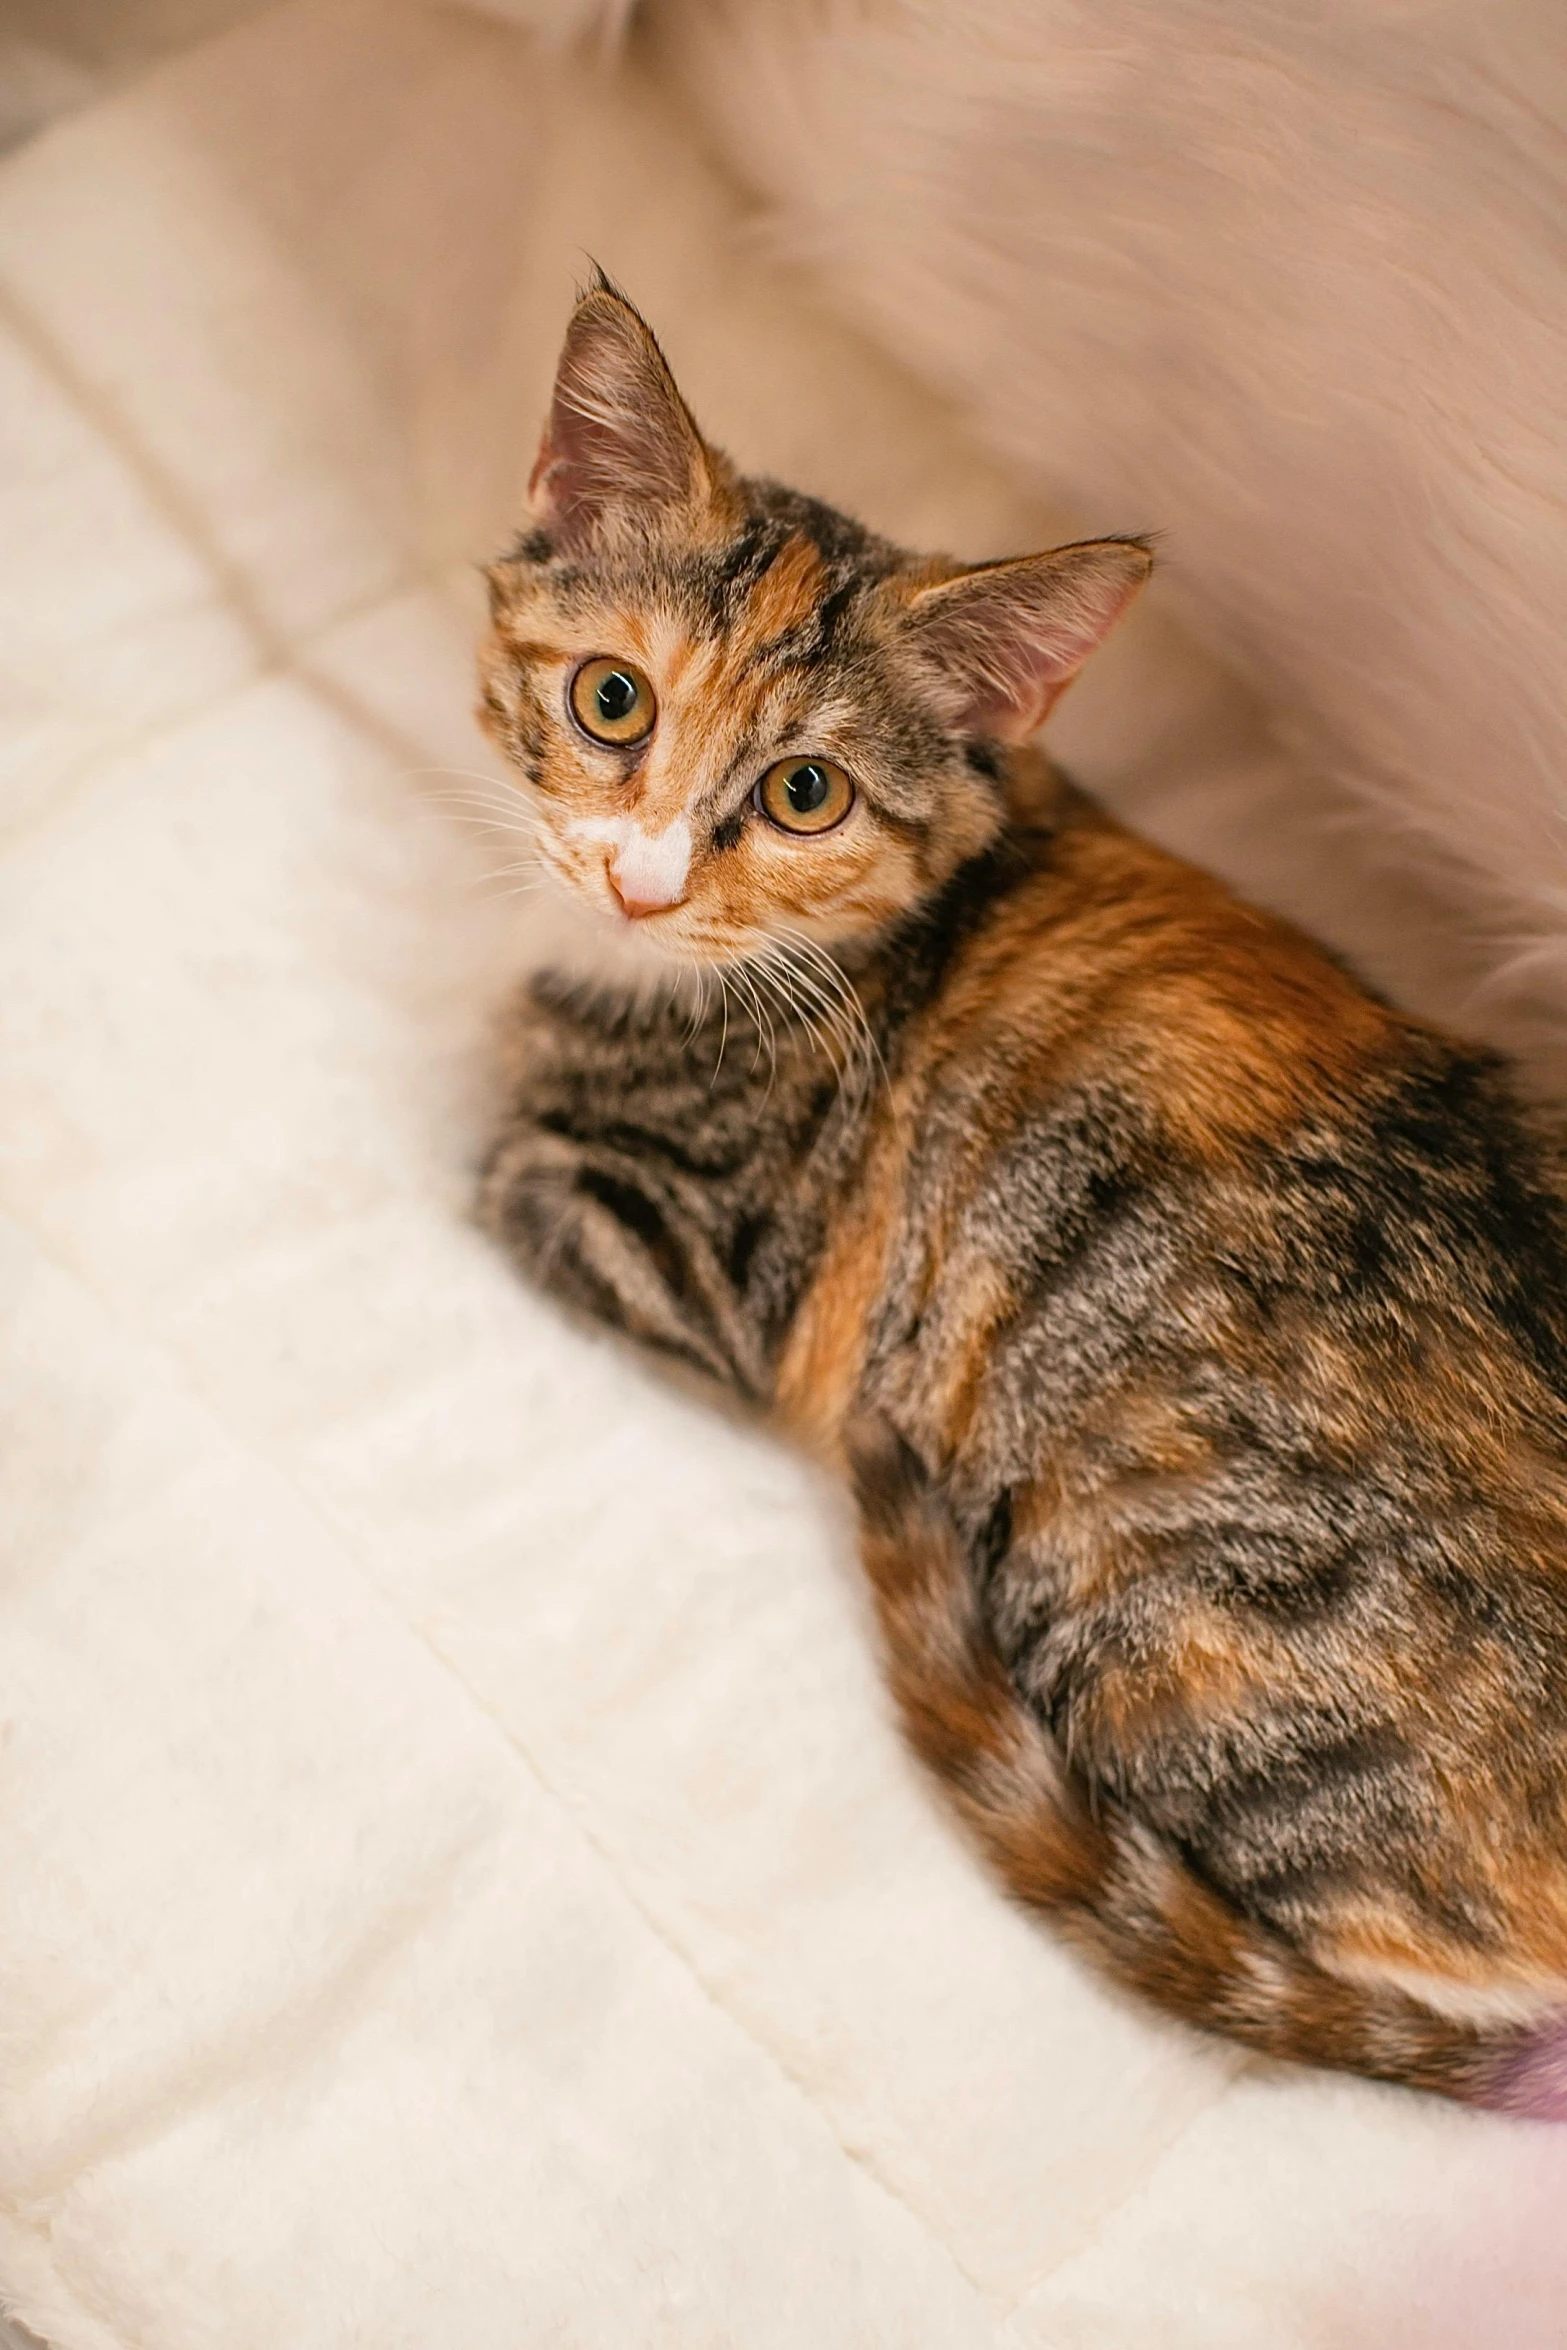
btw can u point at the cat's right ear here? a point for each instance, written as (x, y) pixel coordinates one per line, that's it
(1005, 640)
(621, 454)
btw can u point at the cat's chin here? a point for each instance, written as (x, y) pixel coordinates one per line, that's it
(565, 933)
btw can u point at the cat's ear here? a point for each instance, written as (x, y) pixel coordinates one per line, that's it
(620, 451)
(1006, 638)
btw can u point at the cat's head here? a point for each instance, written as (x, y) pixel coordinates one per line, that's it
(742, 715)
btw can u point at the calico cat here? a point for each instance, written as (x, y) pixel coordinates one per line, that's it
(1192, 1324)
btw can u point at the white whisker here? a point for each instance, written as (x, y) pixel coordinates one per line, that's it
(520, 889)
(507, 812)
(462, 775)
(698, 1009)
(763, 1020)
(809, 1009)
(723, 996)
(833, 976)
(828, 1006)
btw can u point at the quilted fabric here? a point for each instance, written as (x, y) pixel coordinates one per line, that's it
(462, 1886)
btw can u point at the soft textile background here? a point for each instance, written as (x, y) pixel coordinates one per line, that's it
(462, 1887)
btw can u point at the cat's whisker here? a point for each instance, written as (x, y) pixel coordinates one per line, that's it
(776, 958)
(532, 859)
(840, 1011)
(495, 796)
(530, 846)
(826, 981)
(820, 1022)
(764, 1025)
(747, 997)
(515, 833)
(482, 883)
(468, 774)
(466, 806)
(765, 1029)
(698, 1009)
(521, 889)
(501, 795)
(816, 1019)
(838, 979)
(723, 997)
(830, 970)
(510, 815)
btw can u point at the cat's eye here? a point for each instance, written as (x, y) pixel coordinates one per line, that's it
(805, 795)
(612, 701)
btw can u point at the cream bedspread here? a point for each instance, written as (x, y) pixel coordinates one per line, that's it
(462, 1888)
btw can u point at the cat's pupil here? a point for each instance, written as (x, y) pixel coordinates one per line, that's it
(616, 696)
(806, 789)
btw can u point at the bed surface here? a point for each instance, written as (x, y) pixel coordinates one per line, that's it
(463, 1888)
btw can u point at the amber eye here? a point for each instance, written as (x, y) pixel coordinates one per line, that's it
(612, 701)
(805, 795)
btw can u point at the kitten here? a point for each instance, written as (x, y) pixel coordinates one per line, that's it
(1193, 1325)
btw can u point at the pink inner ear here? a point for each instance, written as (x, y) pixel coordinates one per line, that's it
(1008, 638)
(620, 442)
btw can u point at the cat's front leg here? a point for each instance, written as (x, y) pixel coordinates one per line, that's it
(592, 1187)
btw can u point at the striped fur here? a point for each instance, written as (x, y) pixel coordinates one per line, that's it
(1192, 1323)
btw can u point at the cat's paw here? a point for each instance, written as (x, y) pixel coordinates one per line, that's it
(525, 1186)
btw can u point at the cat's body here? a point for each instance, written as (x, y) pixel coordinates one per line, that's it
(1194, 1325)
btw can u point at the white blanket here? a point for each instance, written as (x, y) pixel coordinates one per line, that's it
(462, 1888)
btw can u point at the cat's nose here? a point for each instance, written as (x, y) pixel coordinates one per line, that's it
(637, 896)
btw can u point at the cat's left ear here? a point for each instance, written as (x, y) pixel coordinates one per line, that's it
(621, 453)
(1005, 639)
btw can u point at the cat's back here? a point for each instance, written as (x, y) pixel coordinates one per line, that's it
(1142, 1116)
(1121, 1019)
(1230, 1303)
(1131, 1101)
(1101, 955)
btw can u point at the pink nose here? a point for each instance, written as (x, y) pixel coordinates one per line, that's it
(635, 903)
(633, 908)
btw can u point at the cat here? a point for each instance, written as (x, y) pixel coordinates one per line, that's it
(1191, 1323)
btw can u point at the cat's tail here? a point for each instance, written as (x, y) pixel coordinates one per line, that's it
(1111, 1885)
